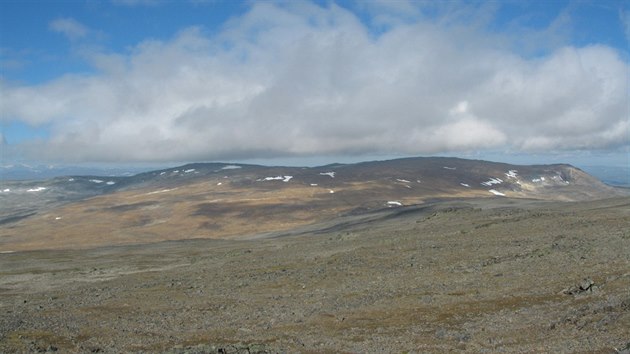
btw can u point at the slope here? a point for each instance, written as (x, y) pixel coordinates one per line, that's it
(242, 201)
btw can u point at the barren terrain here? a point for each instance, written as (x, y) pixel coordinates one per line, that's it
(222, 201)
(475, 275)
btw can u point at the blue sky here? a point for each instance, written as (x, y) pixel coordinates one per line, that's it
(133, 81)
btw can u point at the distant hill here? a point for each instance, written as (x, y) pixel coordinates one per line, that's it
(613, 175)
(217, 200)
(20, 171)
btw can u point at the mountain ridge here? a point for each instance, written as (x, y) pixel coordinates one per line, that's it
(225, 200)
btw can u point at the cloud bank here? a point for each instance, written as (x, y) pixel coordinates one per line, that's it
(300, 80)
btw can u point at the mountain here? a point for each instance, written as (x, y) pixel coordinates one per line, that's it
(412, 255)
(21, 171)
(612, 175)
(216, 200)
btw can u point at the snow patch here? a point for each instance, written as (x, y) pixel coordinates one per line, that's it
(7, 190)
(559, 179)
(495, 192)
(394, 203)
(162, 173)
(110, 183)
(402, 180)
(161, 191)
(450, 168)
(492, 181)
(96, 181)
(36, 189)
(465, 185)
(331, 174)
(313, 184)
(6, 252)
(231, 167)
(277, 178)
(331, 191)
(538, 180)
(70, 179)
(190, 170)
(511, 173)
(58, 218)
(218, 184)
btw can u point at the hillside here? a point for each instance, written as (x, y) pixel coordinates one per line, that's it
(412, 255)
(480, 275)
(244, 201)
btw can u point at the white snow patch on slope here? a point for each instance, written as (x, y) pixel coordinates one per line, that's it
(7, 190)
(331, 191)
(465, 185)
(402, 180)
(70, 179)
(162, 173)
(331, 174)
(559, 179)
(495, 192)
(36, 189)
(161, 191)
(231, 167)
(313, 184)
(450, 168)
(394, 203)
(96, 181)
(538, 180)
(492, 181)
(110, 183)
(511, 173)
(277, 178)
(189, 170)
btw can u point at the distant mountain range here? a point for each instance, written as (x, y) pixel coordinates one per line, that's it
(613, 175)
(217, 200)
(20, 171)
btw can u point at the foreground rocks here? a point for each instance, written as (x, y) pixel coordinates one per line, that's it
(472, 276)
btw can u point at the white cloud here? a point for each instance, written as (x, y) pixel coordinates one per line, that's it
(69, 27)
(301, 79)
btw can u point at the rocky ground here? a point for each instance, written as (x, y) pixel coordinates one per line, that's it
(487, 275)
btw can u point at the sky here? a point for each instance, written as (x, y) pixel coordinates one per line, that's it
(152, 81)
